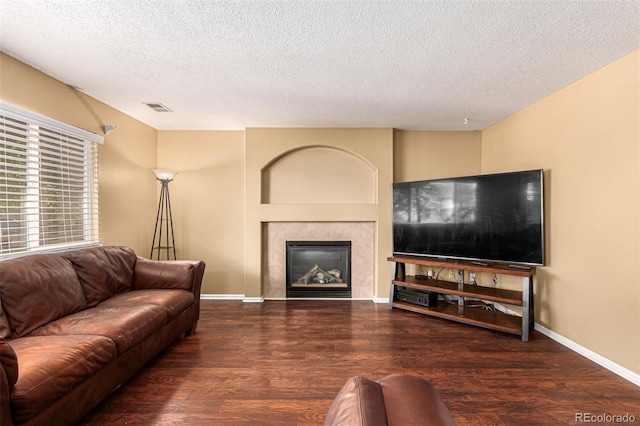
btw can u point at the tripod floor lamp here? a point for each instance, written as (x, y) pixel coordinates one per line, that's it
(163, 239)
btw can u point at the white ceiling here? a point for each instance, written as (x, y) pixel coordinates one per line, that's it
(422, 65)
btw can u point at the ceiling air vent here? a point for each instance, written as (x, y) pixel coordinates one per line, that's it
(157, 107)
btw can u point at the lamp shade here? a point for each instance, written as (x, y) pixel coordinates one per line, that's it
(162, 174)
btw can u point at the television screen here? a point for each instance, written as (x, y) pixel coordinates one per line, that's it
(487, 218)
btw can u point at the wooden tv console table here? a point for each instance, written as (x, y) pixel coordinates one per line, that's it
(462, 311)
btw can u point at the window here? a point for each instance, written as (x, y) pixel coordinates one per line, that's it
(48, 184)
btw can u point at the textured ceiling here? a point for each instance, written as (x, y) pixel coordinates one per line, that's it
(424, 65)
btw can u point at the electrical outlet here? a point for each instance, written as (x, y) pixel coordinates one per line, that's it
(472, 277)
(430, 273)
(495, 279)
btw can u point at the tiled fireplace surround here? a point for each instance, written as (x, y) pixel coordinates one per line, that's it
(275, 235)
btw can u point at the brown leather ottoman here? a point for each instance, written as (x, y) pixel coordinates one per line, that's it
(397, 399)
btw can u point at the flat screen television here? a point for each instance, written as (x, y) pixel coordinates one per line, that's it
(486, 218)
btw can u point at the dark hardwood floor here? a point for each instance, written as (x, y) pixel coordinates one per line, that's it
(283, 362)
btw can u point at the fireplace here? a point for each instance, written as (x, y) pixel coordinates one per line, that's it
(318, 269)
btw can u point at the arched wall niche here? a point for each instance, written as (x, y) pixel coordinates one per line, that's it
(319, 175)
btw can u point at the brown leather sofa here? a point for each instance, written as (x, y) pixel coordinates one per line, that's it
(74, 326)
(394, 400)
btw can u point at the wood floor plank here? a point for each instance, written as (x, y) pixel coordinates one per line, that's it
(283, 362)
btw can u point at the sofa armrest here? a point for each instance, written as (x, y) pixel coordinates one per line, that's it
(394, 400)
(170, 274)
(413, 400)
(8, 378)
(359, 403)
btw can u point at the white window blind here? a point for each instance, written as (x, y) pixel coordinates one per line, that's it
(48, 184)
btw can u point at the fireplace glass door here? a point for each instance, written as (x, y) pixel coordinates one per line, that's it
(318, 269)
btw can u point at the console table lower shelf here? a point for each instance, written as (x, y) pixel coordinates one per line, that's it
(474, 304)
(493, 320)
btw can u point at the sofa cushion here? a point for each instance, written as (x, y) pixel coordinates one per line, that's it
(103, 271)
(38, 289)
(5, 330)
(173, 301)
(125, 325)
(50, 366)
(9, 362)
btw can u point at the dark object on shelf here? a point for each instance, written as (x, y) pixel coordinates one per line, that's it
(417, 297)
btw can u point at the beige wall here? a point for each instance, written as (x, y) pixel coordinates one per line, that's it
(328, 175)
(126, 185)
(207, 200)
(420, 155)
(586, 137)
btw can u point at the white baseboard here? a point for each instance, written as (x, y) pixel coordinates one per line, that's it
(221, 296)
(381, 300)
(232, 297)
(589, 354)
